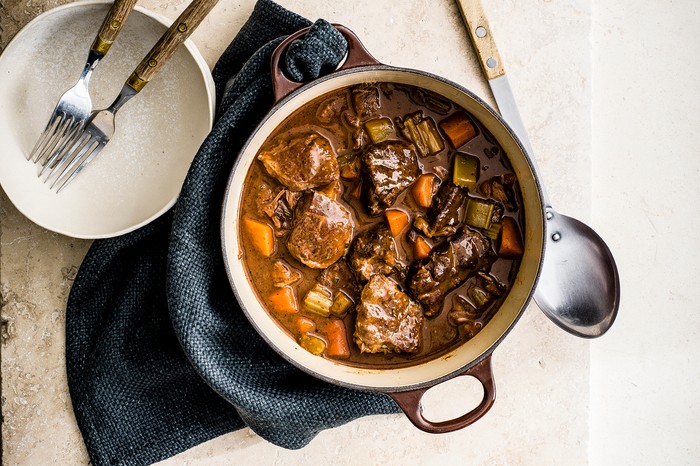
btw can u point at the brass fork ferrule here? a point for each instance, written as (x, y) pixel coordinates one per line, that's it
(100, 46)
(135, 82)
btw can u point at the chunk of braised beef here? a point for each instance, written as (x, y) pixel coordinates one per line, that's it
(351, 119)
(462, 311)
(464, 317)
(339, 276)
(388, 168)
(373, 251)
(500, 188)
(445, 214)
(448, 266)
(277, 204)
(264, 195)
(468, 313)
(321, 231)
(366, 100)
(283, 274)
(388, 320)
(302, 162)
(330, 109)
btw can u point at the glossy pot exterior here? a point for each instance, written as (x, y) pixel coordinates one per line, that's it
(406, 384)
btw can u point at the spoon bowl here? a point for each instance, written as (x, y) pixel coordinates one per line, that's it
(579, 286)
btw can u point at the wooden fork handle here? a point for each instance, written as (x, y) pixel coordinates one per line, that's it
(166, 46)
(111, 25)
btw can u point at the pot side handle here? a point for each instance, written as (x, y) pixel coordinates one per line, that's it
(409, 402)
(357, 55)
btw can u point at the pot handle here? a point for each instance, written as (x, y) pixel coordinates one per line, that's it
(409, 402)
(357, 55)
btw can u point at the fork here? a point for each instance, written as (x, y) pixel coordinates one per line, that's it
(73, 108)
(86, 145)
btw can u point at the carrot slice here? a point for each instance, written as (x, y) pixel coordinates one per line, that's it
(283, 300)
(458, 128)
(337, 340)
(421, 248)
(260, 235)
(511, 244)
(422, 190)
(397, 220)
(304, 324)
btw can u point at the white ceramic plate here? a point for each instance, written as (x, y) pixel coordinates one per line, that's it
(138, 175)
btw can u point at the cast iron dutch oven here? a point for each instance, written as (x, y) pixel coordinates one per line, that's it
(406, 385)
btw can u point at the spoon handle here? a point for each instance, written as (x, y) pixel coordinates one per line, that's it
(482, 39)
(492, 66)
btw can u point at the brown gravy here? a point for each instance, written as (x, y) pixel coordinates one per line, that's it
(438, 334)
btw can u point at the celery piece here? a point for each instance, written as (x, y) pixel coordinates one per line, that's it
(422, 132)
(312, 344)
(319, 300)
(346, 158)
(430, 136)
(479, 297)
(479, 213)
(466, 170)
(341, 304)
(410, 131)
(379, 129)
(493, 231)
(437, 104)
(429, 100)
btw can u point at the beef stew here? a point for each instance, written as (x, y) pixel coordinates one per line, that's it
(392, 225)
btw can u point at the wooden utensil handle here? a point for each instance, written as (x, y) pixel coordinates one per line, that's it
(480, 33)
(166, 46)
(111, 25)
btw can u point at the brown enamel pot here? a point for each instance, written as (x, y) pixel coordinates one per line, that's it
(406, 385)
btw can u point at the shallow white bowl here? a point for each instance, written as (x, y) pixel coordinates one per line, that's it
(138, 176)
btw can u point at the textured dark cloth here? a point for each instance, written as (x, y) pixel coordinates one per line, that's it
(159, 355)
(319, 52)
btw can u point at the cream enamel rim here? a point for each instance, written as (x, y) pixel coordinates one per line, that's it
(201, 68)
(432, 371)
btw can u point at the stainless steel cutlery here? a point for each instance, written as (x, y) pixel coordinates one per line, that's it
(73, 108)
(74, 135)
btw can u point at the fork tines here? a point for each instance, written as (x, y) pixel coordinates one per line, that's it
(60, 129)
(78, 153)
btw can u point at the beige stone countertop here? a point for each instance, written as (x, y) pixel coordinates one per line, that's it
(606, 90)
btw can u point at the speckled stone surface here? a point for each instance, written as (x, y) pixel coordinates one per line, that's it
(645, 375)
(542, 374)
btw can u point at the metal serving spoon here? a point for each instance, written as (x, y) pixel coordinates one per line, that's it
(579, 287)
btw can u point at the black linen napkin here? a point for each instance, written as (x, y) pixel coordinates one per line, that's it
(159, 355)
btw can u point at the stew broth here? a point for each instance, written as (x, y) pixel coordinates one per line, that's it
(341, 118)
